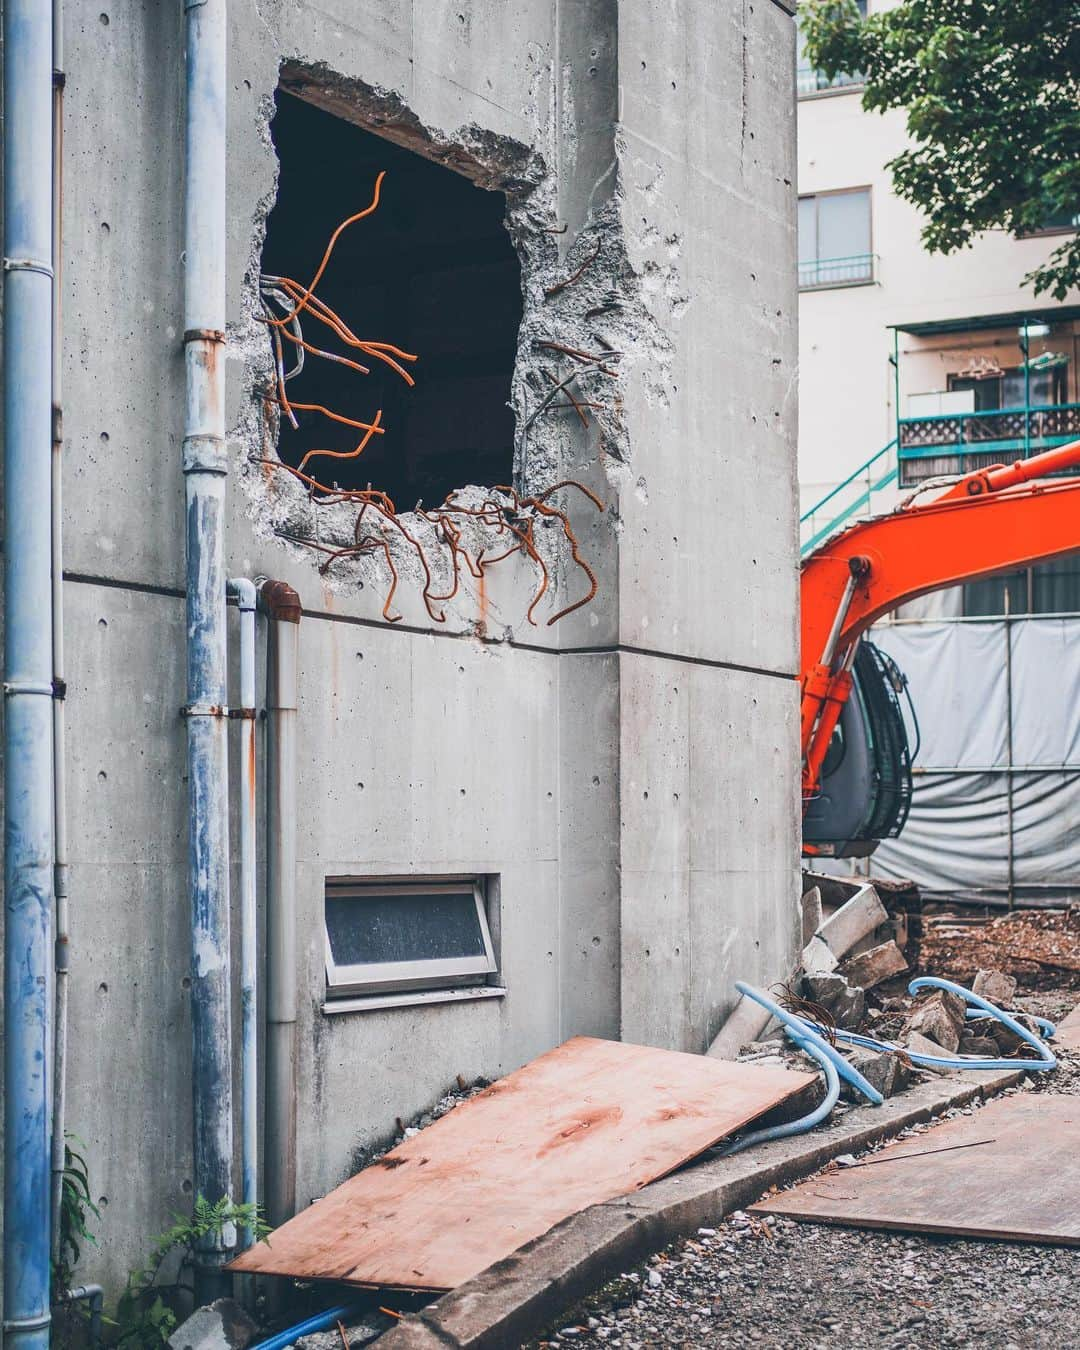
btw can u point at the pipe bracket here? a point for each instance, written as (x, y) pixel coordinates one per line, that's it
(28, 265)
(243, 713)
(13, 687)
(27, 1323)
(205, 454)
(203, 334)
(204, 710)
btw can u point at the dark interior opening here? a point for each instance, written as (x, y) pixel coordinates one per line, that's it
(432, 271)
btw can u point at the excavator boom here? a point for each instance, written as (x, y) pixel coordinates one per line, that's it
(995, 520)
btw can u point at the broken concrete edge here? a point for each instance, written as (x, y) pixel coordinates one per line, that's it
(511, 1300)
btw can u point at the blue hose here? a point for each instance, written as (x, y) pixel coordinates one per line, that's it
(807, 1029)
(832, 1063)
(317, 1323)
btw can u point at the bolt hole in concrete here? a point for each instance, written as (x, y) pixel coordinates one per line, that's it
(432, 271)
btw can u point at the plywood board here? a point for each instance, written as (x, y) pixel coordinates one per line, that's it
(587, 1122)
(1016, 1180)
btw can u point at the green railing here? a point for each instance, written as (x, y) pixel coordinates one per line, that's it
(855, 270)
(962, 442)
(849, 499)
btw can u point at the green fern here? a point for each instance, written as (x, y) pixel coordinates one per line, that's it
(144, 1320)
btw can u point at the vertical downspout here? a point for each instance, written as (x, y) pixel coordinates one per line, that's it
(282, 604)
(244, 592)
(27, 739)
(60, 852)
(205, 466)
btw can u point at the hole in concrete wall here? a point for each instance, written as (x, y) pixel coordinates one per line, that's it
(432, 271)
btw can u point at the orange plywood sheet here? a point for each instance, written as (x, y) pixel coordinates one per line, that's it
(588, 1121)
(1009, 1172)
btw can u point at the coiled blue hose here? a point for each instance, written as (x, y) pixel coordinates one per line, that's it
(1046, 1058)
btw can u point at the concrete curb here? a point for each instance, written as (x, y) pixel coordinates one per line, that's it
(511, 1300)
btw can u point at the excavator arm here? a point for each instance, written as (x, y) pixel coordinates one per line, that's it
(994, 520)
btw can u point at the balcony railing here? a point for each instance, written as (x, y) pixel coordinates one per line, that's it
(963, 442)
(854, 270)
(811, 81)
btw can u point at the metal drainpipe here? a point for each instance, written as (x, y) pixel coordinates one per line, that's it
(243, 591)
(282, 604)
(205, 467)
(27, 737)
(60, 849)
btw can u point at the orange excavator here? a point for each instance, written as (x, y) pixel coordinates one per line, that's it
(856, 775)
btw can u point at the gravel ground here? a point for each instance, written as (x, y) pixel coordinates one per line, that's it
(801, 1286)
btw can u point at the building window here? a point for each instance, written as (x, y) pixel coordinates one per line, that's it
(834, 240)
(432, 271)
(1049, 588)
(398, 937)
(811, 81)
(1057, 220)
(1046, 385)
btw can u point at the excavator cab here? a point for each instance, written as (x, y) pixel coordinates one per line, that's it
(865, 791)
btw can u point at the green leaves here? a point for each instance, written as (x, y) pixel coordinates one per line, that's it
(76, 1210)
(144, 1320)
(992, 94)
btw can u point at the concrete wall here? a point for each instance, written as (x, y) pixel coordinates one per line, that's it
(630, 774)
(846, 396)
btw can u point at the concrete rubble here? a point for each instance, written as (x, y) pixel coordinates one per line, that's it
(223, 1325)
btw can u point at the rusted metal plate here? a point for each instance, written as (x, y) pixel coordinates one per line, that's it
(587, 1122)
(1010, 1172)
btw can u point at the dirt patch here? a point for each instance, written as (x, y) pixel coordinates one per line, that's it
(1040, 948)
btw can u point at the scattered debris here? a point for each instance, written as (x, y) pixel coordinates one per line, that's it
(1040, 948)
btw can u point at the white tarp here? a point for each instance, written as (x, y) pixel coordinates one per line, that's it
(956, 840)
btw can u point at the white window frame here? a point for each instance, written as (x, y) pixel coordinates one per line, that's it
(392, 977)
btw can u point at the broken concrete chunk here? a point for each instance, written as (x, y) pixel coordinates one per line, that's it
(747, 1021)
(883, 1070)
(871, 967)
(940, 1017)
(983, 1046)
(844, 1003)
(818, 958)
(222, 1325)
(811, 913)
(853, 921)
(920, 1045)
(996, 986)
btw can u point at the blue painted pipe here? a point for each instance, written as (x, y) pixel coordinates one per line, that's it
(205, 465)
(319, 1322)
(27, 737)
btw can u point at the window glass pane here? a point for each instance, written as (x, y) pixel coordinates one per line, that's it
(372, 929)
(988, 597)
(1042, 388)
(987, 391)
(807, 229)
(1056, 586)
(844, 224)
